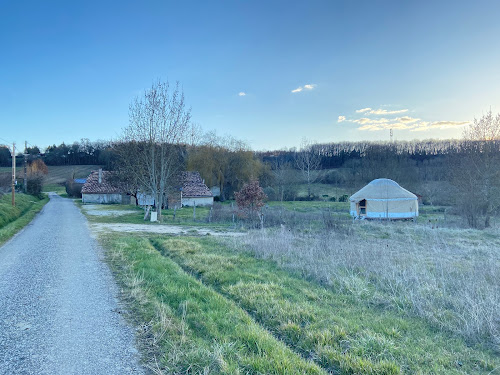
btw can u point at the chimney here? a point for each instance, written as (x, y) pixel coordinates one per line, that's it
(100, 175)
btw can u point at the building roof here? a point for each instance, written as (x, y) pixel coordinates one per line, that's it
(92, 185)
(80, 180)
(382, 189)
(194, 186)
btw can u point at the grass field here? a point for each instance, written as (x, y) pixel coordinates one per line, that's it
(59, 174)
(56, 177)
(13, 219)
(361, 298)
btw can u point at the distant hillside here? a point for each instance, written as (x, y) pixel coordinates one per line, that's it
(59, 174)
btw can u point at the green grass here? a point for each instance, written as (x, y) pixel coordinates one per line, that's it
(342, 333)
(57, 188)
(208, 308)
(183, 216)
(58, 174)
(13, 219)
(188, 327)
(311, 206)
(321, 190)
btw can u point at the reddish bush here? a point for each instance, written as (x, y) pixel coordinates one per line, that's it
(251, 197)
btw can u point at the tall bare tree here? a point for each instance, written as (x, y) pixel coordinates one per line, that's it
(308, 162)
(159, 123)
(284, 176)
(477, 178)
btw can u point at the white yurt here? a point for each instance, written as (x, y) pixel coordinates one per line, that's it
(384, 199)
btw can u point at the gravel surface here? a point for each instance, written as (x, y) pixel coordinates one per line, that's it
(161, 229)
(59, 312)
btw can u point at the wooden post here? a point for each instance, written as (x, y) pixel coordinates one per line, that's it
(25, 184)
(13, 175)
(194, 211)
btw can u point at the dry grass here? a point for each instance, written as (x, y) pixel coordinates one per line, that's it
(449, 277)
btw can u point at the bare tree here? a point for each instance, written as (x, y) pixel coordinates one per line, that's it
(308, 162)
(284, 176)
(477, 178)
(159, 123)
(129, 171)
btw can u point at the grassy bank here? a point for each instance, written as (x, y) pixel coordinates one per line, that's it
(13, 219)
(204, 307)
(449, 277)
(187, 327)
(341, 332)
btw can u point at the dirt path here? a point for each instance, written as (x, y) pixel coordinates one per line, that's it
(59, 312)
(161, 229)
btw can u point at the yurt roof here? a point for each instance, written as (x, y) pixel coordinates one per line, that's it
(382, 189)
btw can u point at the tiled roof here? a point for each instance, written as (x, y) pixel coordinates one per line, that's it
(92, 185)
(193, 185)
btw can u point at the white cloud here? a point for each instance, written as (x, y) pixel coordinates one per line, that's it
(366, 120)
(374, 123)
(386, 112)
(404, 123)
(242, 93)
(309, 86)
(380, 111)
(407, 119)
(363, 110)
(439, 125)
(341, 119)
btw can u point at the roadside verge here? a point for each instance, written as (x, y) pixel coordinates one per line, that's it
(13, 219)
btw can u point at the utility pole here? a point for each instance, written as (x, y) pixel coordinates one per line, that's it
(391, 135)
(13, 174)
(25, 183)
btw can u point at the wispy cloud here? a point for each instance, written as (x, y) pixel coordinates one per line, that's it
(341, 119)
(407, 119)
(363, 110)
(242, 93)
(309, 86)
(366, 120)
(440, 125)
(412, 124)
(386, 112)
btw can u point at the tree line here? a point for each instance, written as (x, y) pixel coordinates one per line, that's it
(83, 152)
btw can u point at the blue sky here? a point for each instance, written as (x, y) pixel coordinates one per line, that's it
(69, 69)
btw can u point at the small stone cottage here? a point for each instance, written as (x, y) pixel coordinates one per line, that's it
(99, 189)
(194, 191)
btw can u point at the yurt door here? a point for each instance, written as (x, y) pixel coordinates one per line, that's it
(362, 208)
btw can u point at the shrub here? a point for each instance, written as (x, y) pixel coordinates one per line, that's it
(311, 197)
(73, 189)
(251, 197)
(271, 193)
(343, 198)
(34, 185)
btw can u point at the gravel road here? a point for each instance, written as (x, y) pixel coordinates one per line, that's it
(59, 312)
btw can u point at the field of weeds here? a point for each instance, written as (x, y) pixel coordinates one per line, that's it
(449, 277)
(313, 293)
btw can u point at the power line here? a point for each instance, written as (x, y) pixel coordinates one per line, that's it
(8, 142)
